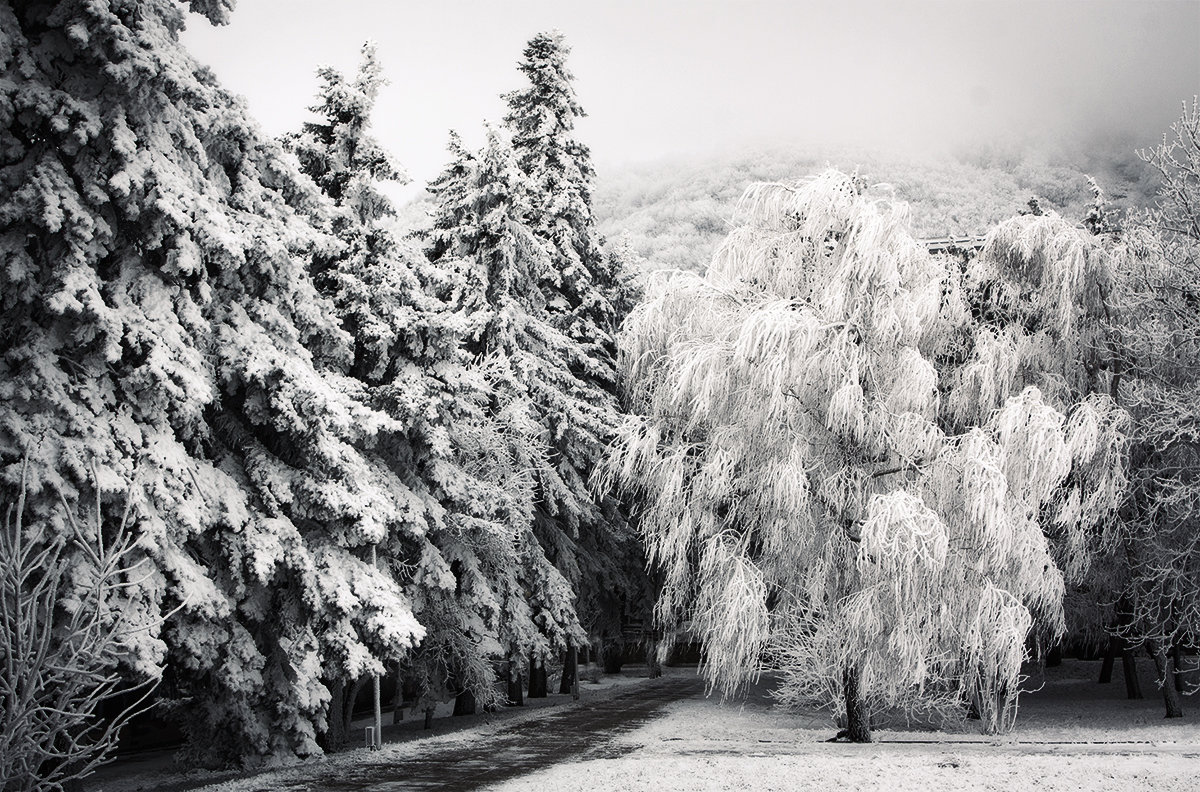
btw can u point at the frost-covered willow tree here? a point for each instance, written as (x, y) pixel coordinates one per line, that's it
(586, 296)
(1158, 327)
(536, 400)
(833, 476)
(1039, 298)
(161, 325)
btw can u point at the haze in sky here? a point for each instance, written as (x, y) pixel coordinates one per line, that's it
(667, 77)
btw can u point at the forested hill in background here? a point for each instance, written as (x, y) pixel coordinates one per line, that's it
(675, 213)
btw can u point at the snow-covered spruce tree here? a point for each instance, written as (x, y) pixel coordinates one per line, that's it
(536, 401)
(817, 490)
(160, 324)
(399, 309)
(587, 296)
(1158, 327)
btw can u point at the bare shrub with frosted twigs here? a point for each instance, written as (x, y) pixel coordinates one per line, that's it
(1157, 328)
(65, 626)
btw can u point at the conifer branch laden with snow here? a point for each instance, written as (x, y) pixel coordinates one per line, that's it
(156, 273)
(819, 488)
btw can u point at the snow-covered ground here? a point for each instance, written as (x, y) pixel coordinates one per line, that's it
(1073, 734)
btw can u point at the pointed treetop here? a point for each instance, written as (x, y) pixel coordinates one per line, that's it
(337, 150)
(549, 101)
(216, 11)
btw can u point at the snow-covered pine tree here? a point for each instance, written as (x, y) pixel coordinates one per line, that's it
(541, 118)
(814, 487)
(400, 310)
(161, 325)
(587, 296)
(480, 231)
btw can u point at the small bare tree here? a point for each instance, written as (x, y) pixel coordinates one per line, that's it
(1158, 329)
(66, 625)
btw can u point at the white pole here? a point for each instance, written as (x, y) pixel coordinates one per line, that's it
(375, 683)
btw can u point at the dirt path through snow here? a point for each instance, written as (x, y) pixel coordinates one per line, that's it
(478, 758)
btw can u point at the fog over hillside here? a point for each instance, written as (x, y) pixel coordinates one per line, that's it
(674, 213)
(663, 79)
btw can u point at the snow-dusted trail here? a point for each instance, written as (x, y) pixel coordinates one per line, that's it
(472, 760)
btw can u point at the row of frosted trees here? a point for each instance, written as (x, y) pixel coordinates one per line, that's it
(326, 450)
(262, 443)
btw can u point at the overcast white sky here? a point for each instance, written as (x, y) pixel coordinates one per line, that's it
(663, 77)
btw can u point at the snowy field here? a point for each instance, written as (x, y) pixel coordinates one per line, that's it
(1073, 734)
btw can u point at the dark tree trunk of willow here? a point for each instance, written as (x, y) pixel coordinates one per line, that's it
(1133, 685)
(858, 717)
(1110, 656)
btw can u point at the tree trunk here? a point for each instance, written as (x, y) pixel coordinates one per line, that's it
(1133, 685)
(516, 686)
(570, 669)
(1054, 656)
(1106, 669)
(1176, 655)
(652, 665)
(611, 656)
(1164, 664)
(429, 717)
(351, 700)
(858, 717)
(464, 703)
(537, 677)
(335, 722)
(398, 698)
